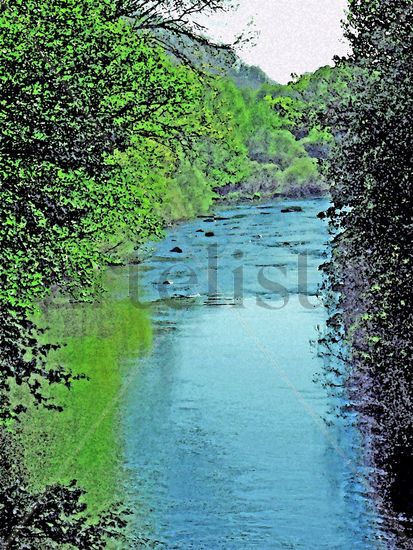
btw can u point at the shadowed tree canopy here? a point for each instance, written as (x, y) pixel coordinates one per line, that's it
(371, 175)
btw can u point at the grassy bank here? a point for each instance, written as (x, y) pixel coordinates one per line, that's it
(102, 341)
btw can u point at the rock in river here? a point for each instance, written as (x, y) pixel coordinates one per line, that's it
(291, 209)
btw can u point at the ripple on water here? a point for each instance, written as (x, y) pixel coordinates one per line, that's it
(226, 446)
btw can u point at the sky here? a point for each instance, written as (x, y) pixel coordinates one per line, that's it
(294, 36)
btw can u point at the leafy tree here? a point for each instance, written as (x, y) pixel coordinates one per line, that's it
(371, 176)
(52, 518)
(81, 92)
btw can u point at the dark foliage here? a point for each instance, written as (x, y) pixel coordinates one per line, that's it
(371, 175)
(50, 519)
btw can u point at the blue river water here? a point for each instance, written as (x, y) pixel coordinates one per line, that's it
(227, 439)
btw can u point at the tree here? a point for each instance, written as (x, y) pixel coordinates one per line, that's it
(371, 176)
(80, 93)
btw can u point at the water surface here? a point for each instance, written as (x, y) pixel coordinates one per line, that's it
(226, 441)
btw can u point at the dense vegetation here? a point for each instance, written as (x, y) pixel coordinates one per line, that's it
(105, 138)
(283, 138)
(371, 176)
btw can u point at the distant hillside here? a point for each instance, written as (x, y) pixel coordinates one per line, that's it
(247, 76)
(226, 63)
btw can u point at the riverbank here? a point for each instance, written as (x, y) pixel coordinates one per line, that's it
(235, 194)
(378, 382)
(82, 442)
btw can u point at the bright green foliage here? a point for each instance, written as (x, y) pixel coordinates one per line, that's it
(79, 85)
(218, 159)
(289, 110)
(82, 442)
(301, 171)
(189, 193)
(279, 126)
(89, 113)
(280, 148)
(225, 160)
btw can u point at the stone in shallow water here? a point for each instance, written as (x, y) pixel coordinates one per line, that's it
(291, 209)
(209, 234)
(177, 250)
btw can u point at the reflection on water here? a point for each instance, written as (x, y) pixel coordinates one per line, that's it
(82, 442)
(226, 446)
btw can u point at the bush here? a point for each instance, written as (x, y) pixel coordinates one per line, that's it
(187, 194)
(265, 179)
(302, 171)
(278, 147)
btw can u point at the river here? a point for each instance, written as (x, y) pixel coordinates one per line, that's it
(227, 425)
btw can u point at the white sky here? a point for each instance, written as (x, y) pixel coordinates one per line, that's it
(295, 36)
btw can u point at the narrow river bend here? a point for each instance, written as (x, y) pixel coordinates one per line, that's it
(226, 443)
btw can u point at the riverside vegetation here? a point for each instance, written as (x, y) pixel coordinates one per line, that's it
(370, 174)
(110, 131)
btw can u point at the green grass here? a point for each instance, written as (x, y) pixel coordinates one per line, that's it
(83, 441)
